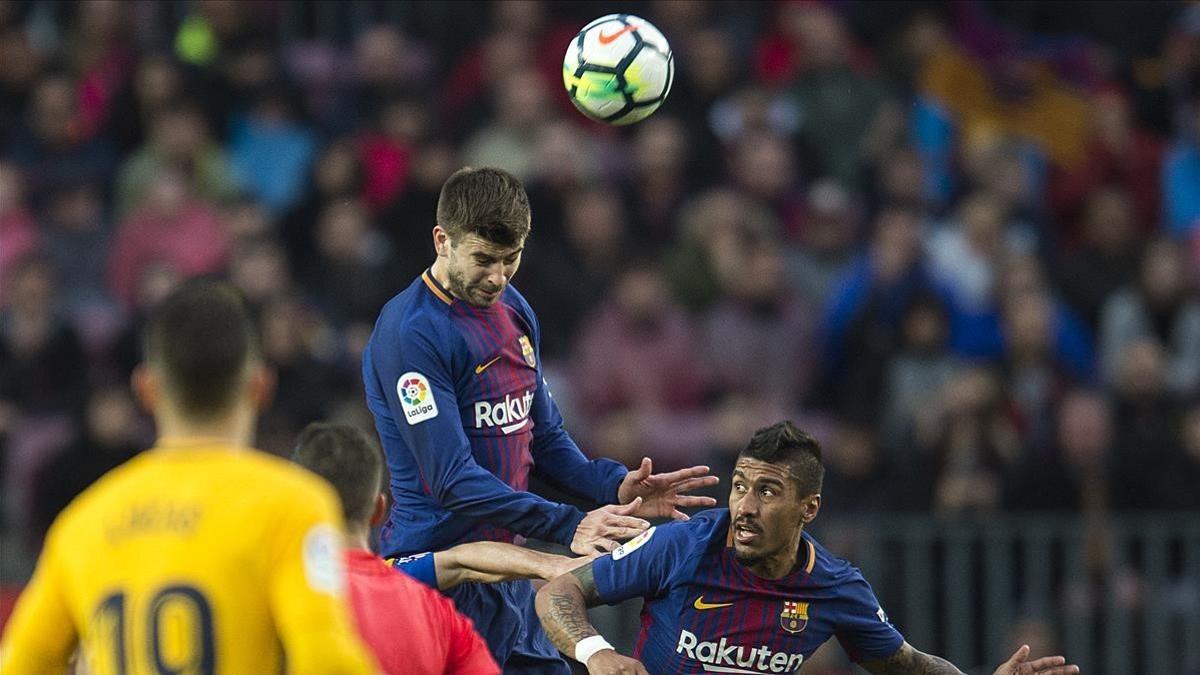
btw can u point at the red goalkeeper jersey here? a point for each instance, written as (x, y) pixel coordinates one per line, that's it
(410, 627)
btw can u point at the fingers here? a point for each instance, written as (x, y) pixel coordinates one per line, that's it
(690, 484)
(605, 545)
(690, 500)
(623, 522)
(624, 509)
(681, 474)
(1061, 670)
(1018, 656)
(643, 471)
(680, 515)
(622, 533)
(1046, 662)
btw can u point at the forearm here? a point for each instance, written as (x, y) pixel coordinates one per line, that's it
(909, 661)
(489, 562)
(562, 608)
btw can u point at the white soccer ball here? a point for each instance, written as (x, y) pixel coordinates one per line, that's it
(618, 69)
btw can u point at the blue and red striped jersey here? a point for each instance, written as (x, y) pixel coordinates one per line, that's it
(705, 612)
(464, 415)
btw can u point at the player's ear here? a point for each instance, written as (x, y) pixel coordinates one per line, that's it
(381, 509)
(441, 241)
(146, 386)
(809, 507)
(262, 386)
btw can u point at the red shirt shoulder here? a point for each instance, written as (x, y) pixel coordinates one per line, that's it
(389, 605)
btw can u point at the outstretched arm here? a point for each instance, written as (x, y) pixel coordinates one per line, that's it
(489, 562)
(909, 661)
(562, 607)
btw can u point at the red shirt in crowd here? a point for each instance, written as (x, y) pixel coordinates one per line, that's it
(411, 627)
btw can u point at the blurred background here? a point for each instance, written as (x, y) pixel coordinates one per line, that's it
(960, 242)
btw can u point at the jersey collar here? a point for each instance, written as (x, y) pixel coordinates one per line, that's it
(436, 288)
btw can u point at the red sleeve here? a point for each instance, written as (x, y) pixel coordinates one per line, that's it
(468, 655)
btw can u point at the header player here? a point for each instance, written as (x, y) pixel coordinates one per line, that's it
(453, 378)
(742, 590)
(200, 555)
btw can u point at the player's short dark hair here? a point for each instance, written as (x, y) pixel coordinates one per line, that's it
(785, 443)
(346, 458)
(201, 338)
(487, 202)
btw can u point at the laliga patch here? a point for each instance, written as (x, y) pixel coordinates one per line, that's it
(322, 554)
(416, 398)
(633, 544)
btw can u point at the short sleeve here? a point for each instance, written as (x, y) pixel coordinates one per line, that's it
(644, 566)
(863, 627)
(419, 567)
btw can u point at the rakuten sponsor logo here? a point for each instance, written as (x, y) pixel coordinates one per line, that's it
(511, 414)
(722, 657)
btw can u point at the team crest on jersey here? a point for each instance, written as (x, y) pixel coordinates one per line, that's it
(794, 616)
(527, 351)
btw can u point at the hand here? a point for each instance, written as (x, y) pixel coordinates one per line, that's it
(1047, 665)
(603, 529)
(607, 661)
(660, 493)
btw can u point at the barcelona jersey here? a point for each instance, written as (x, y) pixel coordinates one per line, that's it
(706, 612)
(465, 417)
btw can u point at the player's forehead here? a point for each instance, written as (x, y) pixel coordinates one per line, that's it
(473, 244)
(756, 470)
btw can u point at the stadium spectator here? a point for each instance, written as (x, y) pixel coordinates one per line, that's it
(1102, 263)
(270, 149)
(863, 318)
(1181, 174)
(1160, 305)
(179, 140)
(174, 227)
(759, 339)
(635, 351)
(822, 251)
(19, 233)
(50, 143)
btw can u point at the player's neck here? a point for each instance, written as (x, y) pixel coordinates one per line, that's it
(779, 566)
(441, 275)
(357, 537)
(234, 429)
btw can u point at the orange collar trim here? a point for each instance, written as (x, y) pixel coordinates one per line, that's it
(436, 288)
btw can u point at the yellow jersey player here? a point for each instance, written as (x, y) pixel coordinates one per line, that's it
(200, 555)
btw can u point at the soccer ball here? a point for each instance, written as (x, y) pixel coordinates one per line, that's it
(618, 69)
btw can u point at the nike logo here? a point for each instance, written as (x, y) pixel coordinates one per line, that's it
(608, 39)
(484, 366)
(701, 605)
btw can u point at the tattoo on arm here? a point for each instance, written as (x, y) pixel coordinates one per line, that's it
(562, 606)
(909, 661)
(587, 584)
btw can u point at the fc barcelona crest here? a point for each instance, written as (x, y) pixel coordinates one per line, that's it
(527, 351)
(794, 616)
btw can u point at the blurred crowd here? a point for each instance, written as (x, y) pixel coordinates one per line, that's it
(960, 242)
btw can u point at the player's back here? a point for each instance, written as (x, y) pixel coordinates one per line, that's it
(203, 559)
